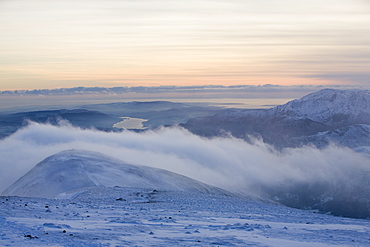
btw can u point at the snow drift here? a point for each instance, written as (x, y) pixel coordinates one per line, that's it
(72, 170)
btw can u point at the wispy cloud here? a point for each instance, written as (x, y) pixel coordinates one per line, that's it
(176, 42)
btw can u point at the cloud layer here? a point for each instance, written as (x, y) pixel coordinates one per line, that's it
(228, 163)
(162, 42)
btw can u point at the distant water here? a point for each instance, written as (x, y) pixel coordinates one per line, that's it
(131, 123)
(246, 103)
(31, 103)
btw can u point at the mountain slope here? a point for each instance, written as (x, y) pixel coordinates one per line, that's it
(76, 169)
(353, 136)
(10, 123)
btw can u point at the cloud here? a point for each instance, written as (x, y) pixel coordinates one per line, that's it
(162, 42)
(229, 163)
(355, 78)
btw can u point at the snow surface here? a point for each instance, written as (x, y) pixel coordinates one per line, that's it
(101, 216)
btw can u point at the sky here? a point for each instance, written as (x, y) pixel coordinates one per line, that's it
(57, 44)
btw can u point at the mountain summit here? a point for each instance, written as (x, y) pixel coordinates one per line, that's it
(72, 170)
(329, 106)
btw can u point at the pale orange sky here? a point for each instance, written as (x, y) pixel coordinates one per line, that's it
(54, 44)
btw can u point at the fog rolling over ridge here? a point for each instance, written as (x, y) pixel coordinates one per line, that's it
(312, 152)
(314, 178)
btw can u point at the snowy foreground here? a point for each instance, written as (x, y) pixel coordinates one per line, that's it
(101, 216)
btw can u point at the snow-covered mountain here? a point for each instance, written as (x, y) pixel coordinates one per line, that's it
(159, 208)
(296, 122)
(72, 170)
(329, 106)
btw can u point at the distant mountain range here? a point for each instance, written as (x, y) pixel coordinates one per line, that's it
(104, 116)
(320, 118)
(327, 116)
(10, 123)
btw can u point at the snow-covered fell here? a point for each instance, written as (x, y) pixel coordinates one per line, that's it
(329, 105)
(320, 113)
(72, 170)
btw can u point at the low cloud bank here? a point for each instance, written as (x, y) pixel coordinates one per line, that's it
(313, 176)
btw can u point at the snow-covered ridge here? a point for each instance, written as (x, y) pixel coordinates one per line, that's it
(72, 170)
(328, 105)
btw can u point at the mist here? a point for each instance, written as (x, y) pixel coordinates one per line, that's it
(226, 162)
